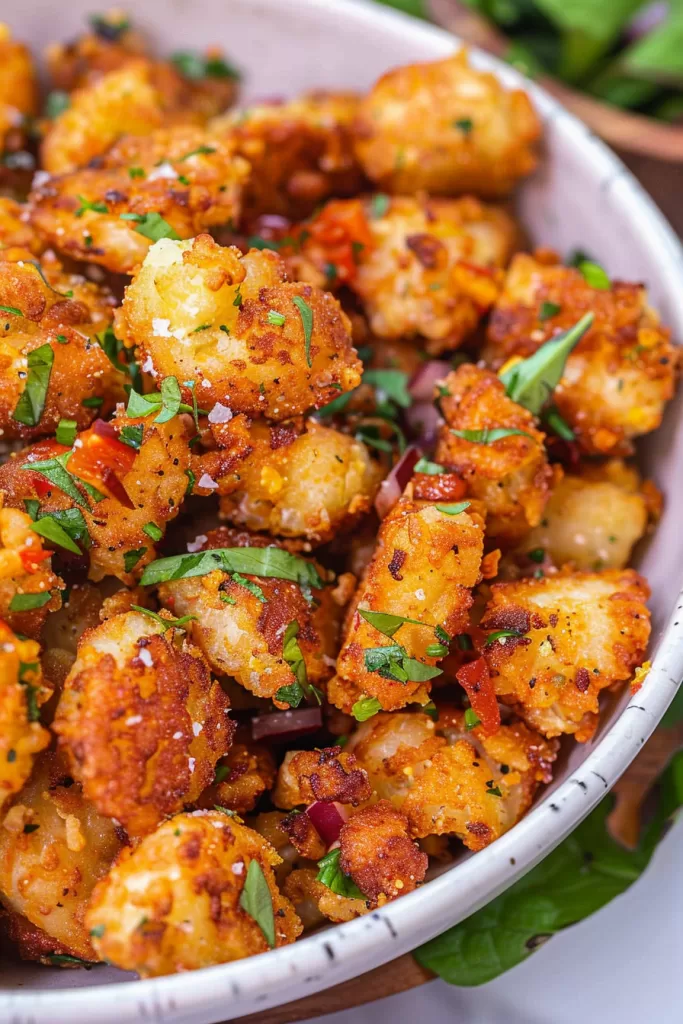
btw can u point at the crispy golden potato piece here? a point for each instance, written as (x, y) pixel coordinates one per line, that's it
(18, 240)
(240, 627)
(187, 878)
(52, 366)
(28, 587)
(173, 183)
(18, 91)
(21, 734)
(142, 721)
(202, 312)
(54, 847)
(447, 128)
(242, 777)
(142, 487)
(446, 779)
(593, 518)
(328, 774)
(619, 377)
(379, 855)
(314, 901)
(566, 638)
(301, 152)
(314, 484)
(81, 610)
(509, 474)
(111, 42)
(427, 268)
(425, 562)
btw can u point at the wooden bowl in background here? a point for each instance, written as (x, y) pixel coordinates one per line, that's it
(651, 149)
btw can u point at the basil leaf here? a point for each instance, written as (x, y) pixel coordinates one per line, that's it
(27, 602)
(580, 876)
(112, 348)
(558, 425)
(266, 562)
(306, 314)
(141, 405)
(366, 707)
(436, 651)
(489, 436)
(429, 468)
(472, 719)
(377, 658)
(153, 531)
(387, 623)
(171, 400)
(132, 435)
(151, 225)
(32, 400)
(531, 382)
(292, 694)
(417, 672)
(55, 471)
(379, 204)
(164, 623)
(454, 509)
(66, 432)
(393, 383)
(249, 585)
(594, 275)
(256, 900)
(332, 876)
(32, 506)
(64, 528)
(337, 405)
(132, 557)
(548, 310)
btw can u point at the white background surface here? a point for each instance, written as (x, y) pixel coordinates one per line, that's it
(624, 965)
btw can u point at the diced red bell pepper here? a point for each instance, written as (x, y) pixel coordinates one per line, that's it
(478, 685)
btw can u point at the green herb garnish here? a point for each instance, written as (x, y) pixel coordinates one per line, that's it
(256, 901)
(332, 876)
(306, 314)
(32, 400)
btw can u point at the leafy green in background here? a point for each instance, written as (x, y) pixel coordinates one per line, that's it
(582, 875)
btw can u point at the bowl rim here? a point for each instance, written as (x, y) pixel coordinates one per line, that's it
(344, 951)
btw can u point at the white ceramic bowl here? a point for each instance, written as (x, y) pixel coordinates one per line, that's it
(581, 197)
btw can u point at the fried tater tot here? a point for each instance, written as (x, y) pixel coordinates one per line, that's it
(621, 374)
(427, 558)
(570, 636)
(510, 474)
(328, 774)
(315, 483)
(448, 128)
(141, 720)
(54, 847)
(169, 184)
(251, 341)
(312, 139)
(21, 690)
(378, 853)
(187, 879)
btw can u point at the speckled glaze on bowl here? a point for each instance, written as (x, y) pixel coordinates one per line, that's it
(582, 196)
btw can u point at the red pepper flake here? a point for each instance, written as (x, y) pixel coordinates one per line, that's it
(31, 558)
(476, 681)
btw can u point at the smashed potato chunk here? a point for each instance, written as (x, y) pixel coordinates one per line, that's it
(175, 902)
(28, 587)
(327, 774)
(18, 91)
(18, 240)
(312, 138)
(379, 855)
(141, 720)
(314, 484)
(425, 562)
(621, 374)
(240, 626)
(137, 487)
(242, 777)
(593, 518)
(206, 313)
(170, 184)
(54, 847)
(510, 474)
(447, 128)
(565, 638)
(21, 734)
(314, 901)
(52, 365)
(427, 268)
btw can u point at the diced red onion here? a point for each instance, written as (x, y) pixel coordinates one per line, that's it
(392, 488)
(421, 387)
(424, 420)
(104, 429)
(328, 817)
(286, 723)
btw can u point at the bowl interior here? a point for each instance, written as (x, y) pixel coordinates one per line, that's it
(581, 197)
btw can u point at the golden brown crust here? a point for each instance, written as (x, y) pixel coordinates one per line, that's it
(25, 568)
(186, 878)
(142, 721)
(621, 374)
(510, 475)
(577, 634)
(303, 835)
(18, 91)
(242, 777)
(329, 773)
(379, 855)
(21, 735)
(447, 128)
(314, 901)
